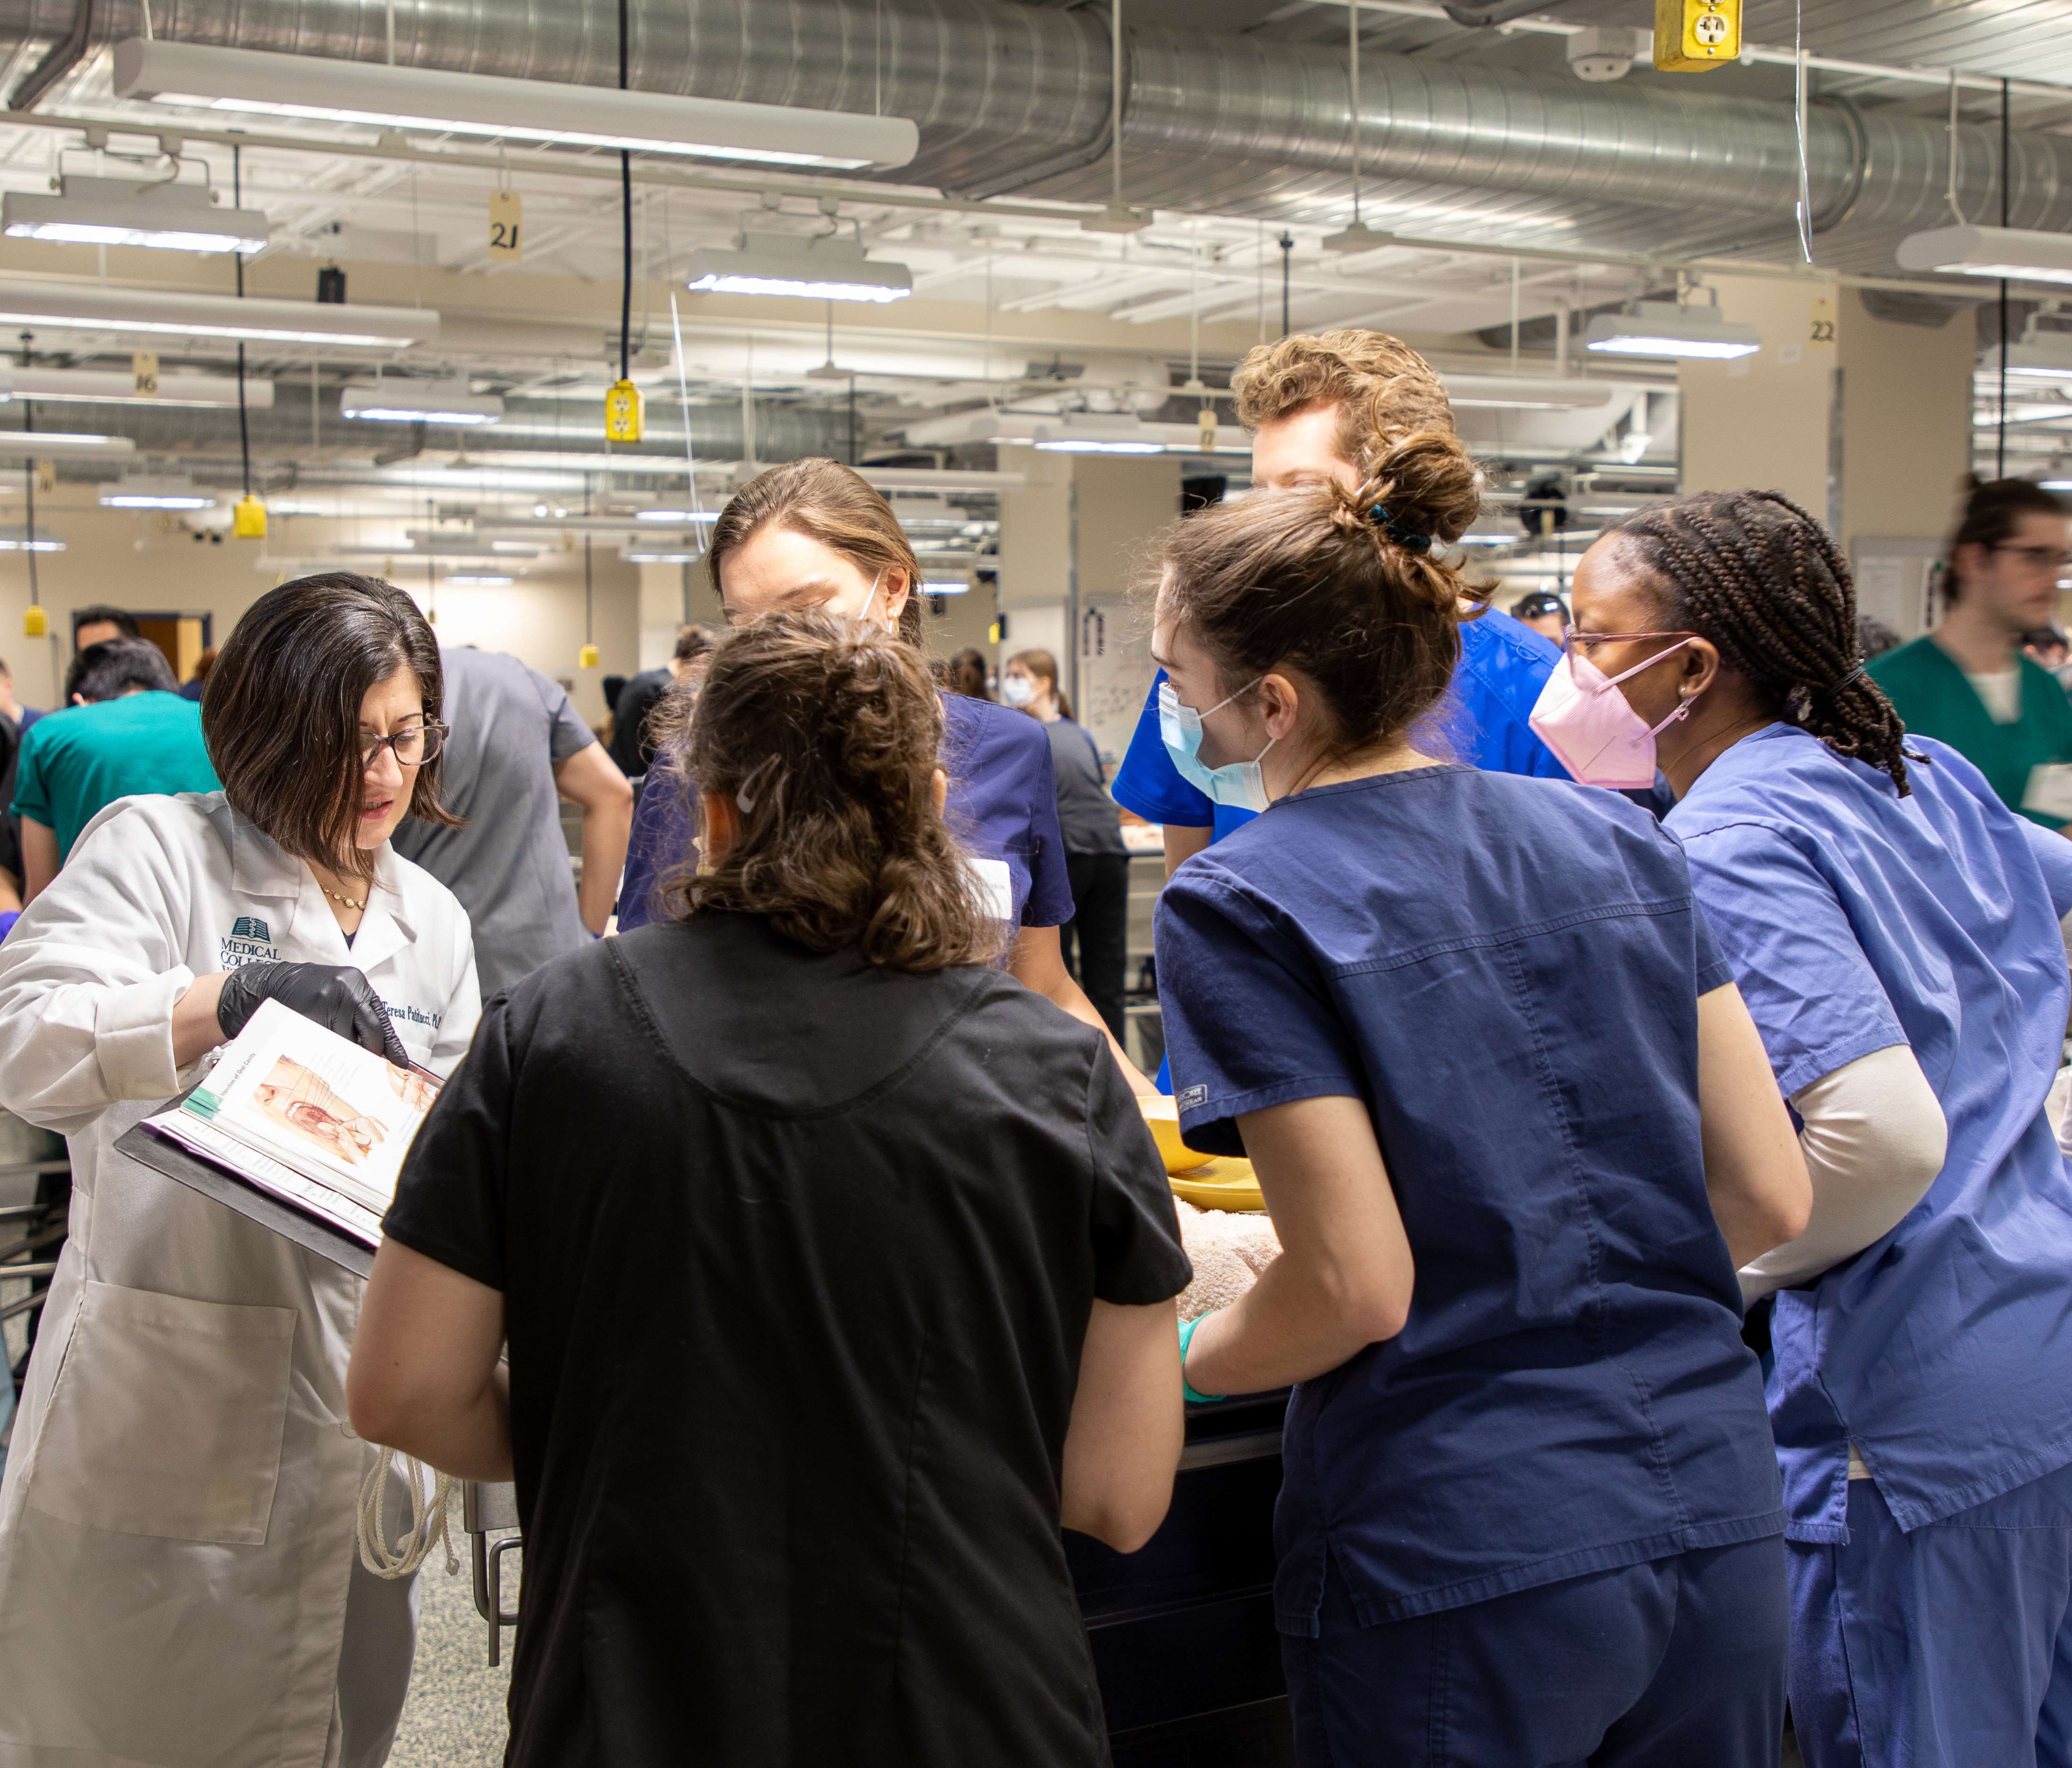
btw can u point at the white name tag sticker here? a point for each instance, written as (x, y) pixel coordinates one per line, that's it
(995, 886)
(2050, 792)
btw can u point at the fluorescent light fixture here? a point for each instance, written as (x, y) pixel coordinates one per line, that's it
(2045, 355)
(16, 540)
(50, 444)
(651, 555)
(947, 587)
(1531, 392)
(159, 214)
(103, 387)
(704, 518)
(1666, 329)
(140, 492)
(2019, 254)
(480, 580)
(154, 312)
(1099, 433)
(423, 100)
(420, 402)
(820, 267)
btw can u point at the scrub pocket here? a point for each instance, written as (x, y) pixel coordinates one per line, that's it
(167, 1418)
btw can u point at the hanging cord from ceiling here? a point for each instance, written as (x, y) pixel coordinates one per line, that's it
(1950, 190)
(684, 406)
(626, 216)
(1287, 259)
(29, 482)
(243, 422)
(2007, 191)
(1353, 80)
(1798, 119)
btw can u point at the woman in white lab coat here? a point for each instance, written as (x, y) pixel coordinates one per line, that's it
(179, 1584)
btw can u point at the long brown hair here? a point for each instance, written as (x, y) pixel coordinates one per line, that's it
(281, 714)
(829, 503)
(1044, 666)
(1346, 586)
(824, 732)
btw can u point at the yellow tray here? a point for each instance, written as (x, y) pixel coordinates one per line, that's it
(1222, 1184)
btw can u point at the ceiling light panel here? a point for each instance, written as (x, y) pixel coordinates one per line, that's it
(420, 402)
(823, 267)
(49, 444)
(550, 113)
(2017, 254)
(95, 386)
(159, 215)
(1666, 330)
(151, 313)
(140, 492)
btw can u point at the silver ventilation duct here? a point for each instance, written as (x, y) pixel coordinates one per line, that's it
(1016, 97)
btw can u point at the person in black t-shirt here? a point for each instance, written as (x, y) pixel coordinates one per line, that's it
(837, 1268)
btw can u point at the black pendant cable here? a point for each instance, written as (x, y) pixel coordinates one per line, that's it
(626, 216)
(1287, 258)
(2007, 180)
(243, 426)
(29, 480)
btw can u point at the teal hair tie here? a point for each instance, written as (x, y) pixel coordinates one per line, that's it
(1187, 1338)
(1408, 539)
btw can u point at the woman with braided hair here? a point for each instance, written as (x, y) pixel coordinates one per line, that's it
(1895, 930)
(1515, 1131)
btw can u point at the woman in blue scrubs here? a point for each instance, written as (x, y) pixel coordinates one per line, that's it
(813, 534)
(1515, 1131)
(1895, 929)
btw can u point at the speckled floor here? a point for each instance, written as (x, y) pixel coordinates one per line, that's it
(455, 1717)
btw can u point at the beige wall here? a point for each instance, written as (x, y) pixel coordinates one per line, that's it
(1906, 421)
(1762, 421)
(137, 561)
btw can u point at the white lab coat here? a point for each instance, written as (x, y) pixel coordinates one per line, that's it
(177, 1535)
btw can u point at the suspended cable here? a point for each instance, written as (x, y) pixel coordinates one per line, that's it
(1352, 63)
(243, 422)
(2007, 184)
(1799, 115)
(626, 214)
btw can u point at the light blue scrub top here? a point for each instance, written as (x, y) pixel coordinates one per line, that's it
(1854, 920)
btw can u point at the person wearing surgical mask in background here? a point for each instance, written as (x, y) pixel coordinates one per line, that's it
(1895, 928)
(812, 533)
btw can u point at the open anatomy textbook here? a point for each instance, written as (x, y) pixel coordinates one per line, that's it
(305, 1115)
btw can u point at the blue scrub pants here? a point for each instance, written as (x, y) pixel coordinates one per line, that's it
(1947, 1647)
(1675, 1663)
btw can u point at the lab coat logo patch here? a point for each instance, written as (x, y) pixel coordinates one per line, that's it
(251, 941)
(250, 926)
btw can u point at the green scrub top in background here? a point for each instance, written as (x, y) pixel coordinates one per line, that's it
(75, 762)
(1928, 687)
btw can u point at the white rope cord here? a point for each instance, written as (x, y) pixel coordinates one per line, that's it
(428, 1524)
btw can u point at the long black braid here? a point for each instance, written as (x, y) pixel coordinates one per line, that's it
(1758, 577)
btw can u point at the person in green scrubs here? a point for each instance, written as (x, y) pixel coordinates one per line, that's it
(1967, 683)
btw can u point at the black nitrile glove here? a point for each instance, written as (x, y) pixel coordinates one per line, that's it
(339, 997)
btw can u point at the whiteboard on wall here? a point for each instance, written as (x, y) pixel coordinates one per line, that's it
(1114, 673)
(1899, 581)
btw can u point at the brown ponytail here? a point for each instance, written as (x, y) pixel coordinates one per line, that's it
(1351, 588)
(1755, 575)
(824, 731)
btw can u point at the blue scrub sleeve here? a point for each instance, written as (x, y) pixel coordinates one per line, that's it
(1249, 1023)
(1050, 902)
(1146, 781)
(1810, 990)
(663, 838)
(2053, 854)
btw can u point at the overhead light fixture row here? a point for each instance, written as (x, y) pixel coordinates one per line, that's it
(553, 113)
(157, 214)
(420, 402)
(1098, 433)
(820, 267)
(154, 313)
(142, 492)
(52, 444)
(1669, 330)
(109, 387)
(2017, 254)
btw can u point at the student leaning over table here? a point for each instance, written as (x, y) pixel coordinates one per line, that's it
(178, 1581)
(1515, 1129)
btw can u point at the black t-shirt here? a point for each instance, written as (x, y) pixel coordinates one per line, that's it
(640, 695)
(797, 1258)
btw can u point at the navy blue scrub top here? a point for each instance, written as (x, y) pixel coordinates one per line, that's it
(1505, 973)
(1856, 920)
(1002, 805)
(1503, 666)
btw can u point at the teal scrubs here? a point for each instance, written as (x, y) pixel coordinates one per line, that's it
(76, 763)
(1927, 687)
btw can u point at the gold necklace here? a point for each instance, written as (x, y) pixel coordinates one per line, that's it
(350, 903)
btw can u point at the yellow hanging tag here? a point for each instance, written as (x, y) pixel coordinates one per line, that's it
(1207, 418)
(1694, 36)
(248, 519)
(47, 475)
(586, 658)
(144, 373)
(35, 623)
(504, 214)
(621, 413)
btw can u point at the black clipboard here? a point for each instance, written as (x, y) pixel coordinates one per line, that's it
(305, 1228)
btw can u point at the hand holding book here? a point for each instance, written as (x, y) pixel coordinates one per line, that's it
(337, 997)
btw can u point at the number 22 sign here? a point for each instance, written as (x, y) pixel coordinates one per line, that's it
(504, 214)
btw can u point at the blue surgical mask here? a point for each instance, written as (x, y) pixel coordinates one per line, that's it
(1240, 784)
(1018, 690)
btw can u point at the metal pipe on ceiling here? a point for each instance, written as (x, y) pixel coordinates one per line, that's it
(1238, 122)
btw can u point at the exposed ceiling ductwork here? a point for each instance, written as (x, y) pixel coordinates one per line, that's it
(1016, 97)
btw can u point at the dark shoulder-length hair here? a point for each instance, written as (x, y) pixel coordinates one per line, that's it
(282, 714)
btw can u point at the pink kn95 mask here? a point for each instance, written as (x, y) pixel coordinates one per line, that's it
(1583, 717)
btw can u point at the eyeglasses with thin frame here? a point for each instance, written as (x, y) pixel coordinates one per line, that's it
(413, 746)
(2037, 558)
(1572, 640)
